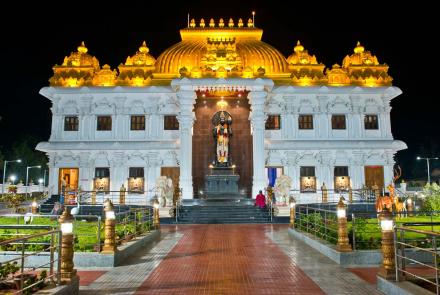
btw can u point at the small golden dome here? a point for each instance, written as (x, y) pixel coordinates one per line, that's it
(240, 23)
(298, 47)
(231, 23)
(202, 23)
(211, 23)
(221, 23)
(192, 24)
(144, 48)
(359, 48)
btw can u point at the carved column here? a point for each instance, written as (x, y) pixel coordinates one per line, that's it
(258, 118)
(85, 177)
(187, 98)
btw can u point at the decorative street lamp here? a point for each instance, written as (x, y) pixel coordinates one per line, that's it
(387, 270)
(427, 164)
(292, 213)
(341, 212)
(4, 172)
(27, 176)
(110, 221)
(66, 222)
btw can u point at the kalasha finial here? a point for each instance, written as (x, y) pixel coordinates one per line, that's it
(192, 24)
(202, 23)
(144, 48)
(250, 24)
(82, 48)
(240, 23)
(221, 23)
(211, 23)
(359, 48)
(231, 22)
(298, 47)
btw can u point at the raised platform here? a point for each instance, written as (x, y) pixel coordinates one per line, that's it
(222, 180)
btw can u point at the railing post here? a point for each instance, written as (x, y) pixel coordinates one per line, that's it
(342, 245)
(434, 246)
(353, 230)
(292, 213)
(156, 220)
(52, 256)
(67, 270)
(99, 234)
(110, 236)
(387, 270)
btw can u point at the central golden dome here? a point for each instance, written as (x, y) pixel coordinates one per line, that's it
(221, 52)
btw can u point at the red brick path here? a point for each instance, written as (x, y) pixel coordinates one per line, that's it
(89, 276)
(235, 259)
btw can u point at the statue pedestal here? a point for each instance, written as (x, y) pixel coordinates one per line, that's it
(221, 181)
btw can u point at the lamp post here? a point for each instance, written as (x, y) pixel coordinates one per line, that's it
(4, 172)
(427, 164)
(156, 222)
(40, 182)
(292, 213)
(66, 222)
(110, 221)
(233, 169)
(341, 212)
(27, 176)
(387, 270)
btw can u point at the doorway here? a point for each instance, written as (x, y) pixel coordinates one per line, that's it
(68, 179)
(374, 176)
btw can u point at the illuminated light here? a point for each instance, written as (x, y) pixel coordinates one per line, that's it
(67, 228)
(387, 224)
(239, 95)
(203, 95)
(110, 215)
(222, 104)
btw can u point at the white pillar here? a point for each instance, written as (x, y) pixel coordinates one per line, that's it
(258, 118)
(187, 98)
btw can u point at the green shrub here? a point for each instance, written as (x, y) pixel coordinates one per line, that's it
(432, 197)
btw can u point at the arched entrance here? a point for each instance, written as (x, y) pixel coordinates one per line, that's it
(237, 105)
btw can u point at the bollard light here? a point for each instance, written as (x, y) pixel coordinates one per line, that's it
(67, 270)
(292, 205)
(34, 206)
(387, 270)
(109, 232)
(341, 212)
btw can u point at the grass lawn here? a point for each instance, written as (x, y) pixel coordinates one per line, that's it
(86, 232)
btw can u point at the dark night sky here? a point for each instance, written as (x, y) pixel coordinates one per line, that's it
(34, 38)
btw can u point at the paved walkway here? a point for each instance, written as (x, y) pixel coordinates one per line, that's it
(229, 259)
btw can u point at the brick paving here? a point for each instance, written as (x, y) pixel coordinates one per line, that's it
(89, 276)
(228, 259)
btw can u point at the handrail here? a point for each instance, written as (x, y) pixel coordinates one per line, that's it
(53, 275)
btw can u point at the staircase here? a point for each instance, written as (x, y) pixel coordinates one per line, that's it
(223, 211)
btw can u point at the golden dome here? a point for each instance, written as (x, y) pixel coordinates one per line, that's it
(138, 68)
(305, 69)
(206, 50)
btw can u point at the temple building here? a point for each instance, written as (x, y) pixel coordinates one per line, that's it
(220, 104)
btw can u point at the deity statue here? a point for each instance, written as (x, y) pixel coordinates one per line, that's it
(222, 132)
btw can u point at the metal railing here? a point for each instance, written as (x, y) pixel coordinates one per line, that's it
(415, 260)
(332, 195)
(133, 223)
(321, 223)
(20, 274)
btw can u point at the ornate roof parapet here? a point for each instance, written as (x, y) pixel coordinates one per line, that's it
(363, 68)
(138, 68)
(105, 77)
(77, 69)
(305, 69)
(337, 76)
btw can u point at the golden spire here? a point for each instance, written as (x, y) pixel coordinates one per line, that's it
(359, 48)
(298, 47)
(202, 23)
(82, 48)
(231, 22)
(211, 23)
(221, 23)
(144, 48)
(250, 24)
(192, 24)
(240, 23)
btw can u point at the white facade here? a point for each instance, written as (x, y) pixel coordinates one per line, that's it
(289, 147)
